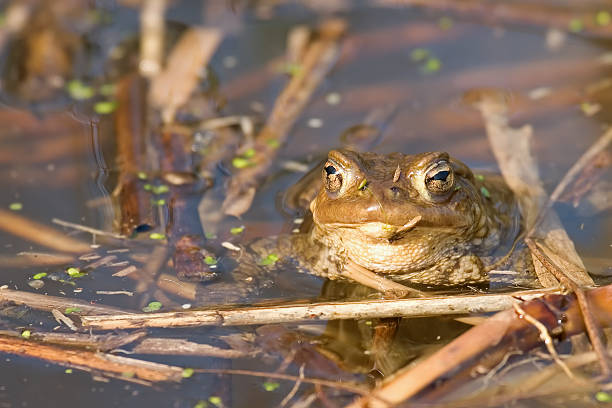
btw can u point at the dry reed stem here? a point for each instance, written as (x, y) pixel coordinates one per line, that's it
(284, 313)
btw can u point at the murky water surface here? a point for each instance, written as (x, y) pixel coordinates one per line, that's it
(55, 165)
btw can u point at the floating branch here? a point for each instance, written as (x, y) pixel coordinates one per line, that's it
(366, 309)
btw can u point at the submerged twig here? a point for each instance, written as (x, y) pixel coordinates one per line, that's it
(284, 313)
(180, 347)
(92, 231)
(48, 303)
(326, 383)
(41, 234)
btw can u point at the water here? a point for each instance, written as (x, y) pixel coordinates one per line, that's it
(49, 165)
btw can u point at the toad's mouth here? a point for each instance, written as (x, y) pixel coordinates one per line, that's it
(377, 229)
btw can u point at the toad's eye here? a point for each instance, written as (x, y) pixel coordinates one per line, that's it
(332, 178)
(439, 178)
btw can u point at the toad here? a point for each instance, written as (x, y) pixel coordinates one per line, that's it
(423, 218)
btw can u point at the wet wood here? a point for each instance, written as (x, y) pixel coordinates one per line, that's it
(452, 305)
(130, 126)
(181, 347)
(84, 228)
(152, 30)
(125, 368)
(172, 88)
(511, 147)
(41, 234)
(48, 303)
(485, 345)
(317, 61)
(89, 341)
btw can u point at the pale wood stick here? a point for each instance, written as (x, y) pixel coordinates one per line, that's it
(152, 30)
(41, 234)
(84, 228)
(48, 303)
(174, 85)
(366, 309)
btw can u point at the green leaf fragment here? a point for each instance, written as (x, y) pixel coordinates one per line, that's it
(603, 396)
(128, 374)
(485, 192)
(68, 371)
(72, 310)
(270, 386)
(241, 162)
(159, 202)
(107, 89)
(603, 18)
(142, 176)
(273, 143)
(68, 282)
(575, 25)
(187, 372)
(249, 153)
(79, 91)
(432, 65)
(271, 259)
(152, 307)
(210, 235)
(147, 187)
(15, 206)
(75, 272)
(363, 184)
(201, 404)
(479, 177)
(210, 260)
(105, 107)
(39, 275)
(26, 334)
(445, 23)
(292, 69)
(419, 54)
(237, 230)
(161, 189)
(157, 235)
(216, 401)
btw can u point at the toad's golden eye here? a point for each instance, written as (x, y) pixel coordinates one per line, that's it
(439, 178)
(332, 178)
